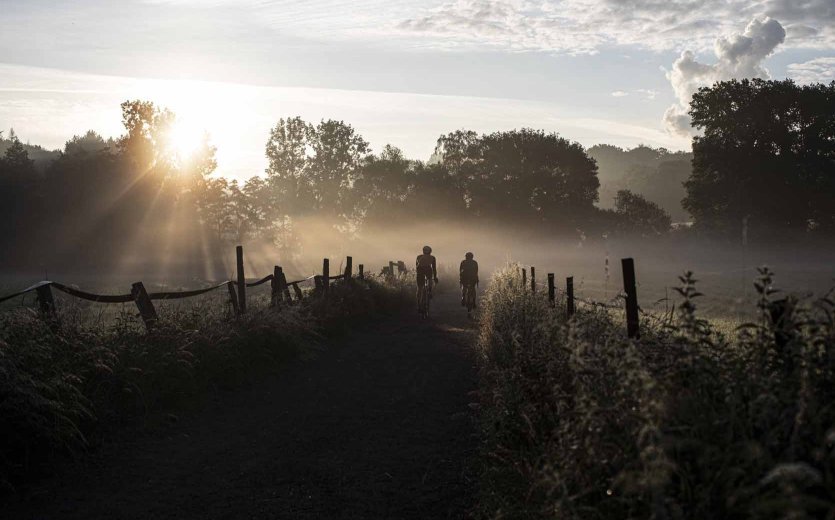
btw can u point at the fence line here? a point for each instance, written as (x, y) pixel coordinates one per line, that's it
(280, 290)
(629, 295)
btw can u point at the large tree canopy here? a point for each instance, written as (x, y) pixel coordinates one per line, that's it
(312, 169)
(767, 153)
(521, 175)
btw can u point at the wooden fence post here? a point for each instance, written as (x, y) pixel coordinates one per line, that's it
(144, 304)
(551, 289)
(632, 324)
(569, 302)
(298, 291)
(233, 298)
(349, 268)
(283, 290)
(391, 269)
(361, 274)
(326, 275)
(46, 302)
(524, 279)
(533, 279)
(317, 281)
(275, 289)
(239, 253)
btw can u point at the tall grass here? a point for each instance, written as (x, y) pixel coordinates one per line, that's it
(65, 383)
(688, 422)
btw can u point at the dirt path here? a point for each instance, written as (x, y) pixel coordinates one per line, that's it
(377, 427)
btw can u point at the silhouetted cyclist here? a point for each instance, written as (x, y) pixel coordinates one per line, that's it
(468, 276)
(427, 269)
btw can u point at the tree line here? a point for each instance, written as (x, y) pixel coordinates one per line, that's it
(766, 156)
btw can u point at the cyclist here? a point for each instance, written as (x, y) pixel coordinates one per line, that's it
(426, 267)
(468, 276)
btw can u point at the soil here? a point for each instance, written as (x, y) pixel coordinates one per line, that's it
(376, 426)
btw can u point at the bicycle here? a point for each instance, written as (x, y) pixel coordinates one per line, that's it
(470, 297)
(424, 296)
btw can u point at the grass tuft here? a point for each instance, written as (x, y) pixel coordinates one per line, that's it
(688, 422)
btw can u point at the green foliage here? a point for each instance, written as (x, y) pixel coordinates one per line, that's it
(63, 384)
(581, 422)
(657, 174)
(640, 216)
(521, 176)
(767, 153)
(313, 168)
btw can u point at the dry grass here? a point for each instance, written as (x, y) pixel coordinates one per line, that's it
(688, 422)
(65, 383)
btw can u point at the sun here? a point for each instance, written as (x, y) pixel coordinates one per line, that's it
(185, 138)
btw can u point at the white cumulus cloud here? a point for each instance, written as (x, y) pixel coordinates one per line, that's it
(739, 55)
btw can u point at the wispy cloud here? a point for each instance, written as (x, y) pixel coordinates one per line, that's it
(818, 70)
(585, 26)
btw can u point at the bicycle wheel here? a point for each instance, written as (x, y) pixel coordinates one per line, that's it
(423, 302)
(470, 298)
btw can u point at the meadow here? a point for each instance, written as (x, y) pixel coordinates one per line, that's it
(687, 422)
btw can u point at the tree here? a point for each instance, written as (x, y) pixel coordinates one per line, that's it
(89, 143)
(639, 216)
(21, 203)
(767, 153)
(312, 170)
(382, 186)
(522, 176)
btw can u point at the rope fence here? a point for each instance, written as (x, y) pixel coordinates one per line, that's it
(280, 290)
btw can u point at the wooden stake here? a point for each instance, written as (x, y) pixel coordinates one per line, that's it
(326, 273)
(233, 298)
(533, 279)
(275, 290)
(524, 279)
(144, 304)
(46, 302)
(298, 291)
(349, 268)
(551, 289)
(283, 290)
(361, 273)
(569, 303)
(632, 323)
(239, 253)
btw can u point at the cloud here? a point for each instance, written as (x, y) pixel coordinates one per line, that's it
(646, 93)
(586, 26)
(738, 56)
(818, 70)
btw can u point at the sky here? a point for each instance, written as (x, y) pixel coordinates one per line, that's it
(401, 72)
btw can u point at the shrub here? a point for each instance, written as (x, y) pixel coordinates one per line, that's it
(64, 383)
(581, 422)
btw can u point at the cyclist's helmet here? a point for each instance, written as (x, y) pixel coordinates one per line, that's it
(427, 250)
(469, 256)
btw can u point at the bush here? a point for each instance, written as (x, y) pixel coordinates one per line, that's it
(63, 383)
(581, 422)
